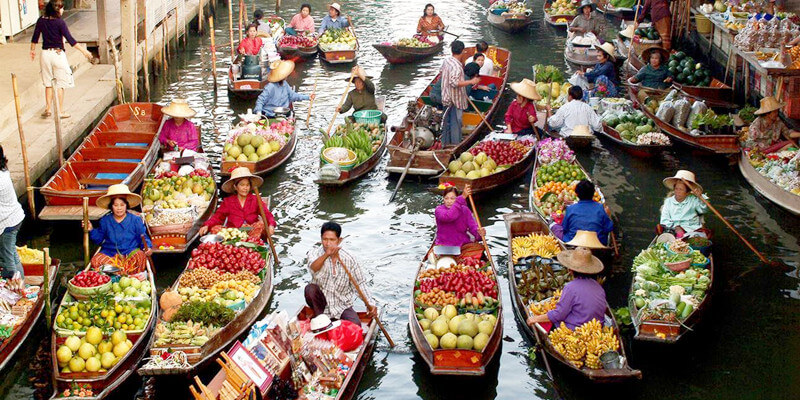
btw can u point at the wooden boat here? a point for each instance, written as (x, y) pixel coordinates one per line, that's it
(120, 149)
(297, 54)
(265, 166)
(103, 384)
(523, 224)
(34, 274)
(580, 57)
(553, 20)
(776, 194)
(669, 332)
(714, 144)
(625, 13)
(247, 89)
(359, 170)
(395, 54)
(431, 162)
(508, 22)
(340, 56)
(636, 150)
(573, 141)
(457, 362)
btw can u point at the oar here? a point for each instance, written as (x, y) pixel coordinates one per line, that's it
(24, 147)
(478, 220)
(86, 231)
(311, 103)
(46, 286)
(366, 302)
(635, 25)
(480, 115)
(405, 171)
(341, 101)
(150, 257)
(761, 257)
(266, 224)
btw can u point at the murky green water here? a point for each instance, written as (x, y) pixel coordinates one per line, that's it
(746, 348)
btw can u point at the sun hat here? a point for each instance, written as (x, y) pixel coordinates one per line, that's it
(681, 175)
(241, 173)
(768, 105)
(526, 88)
(581, 130)
(647, 51)
(179, 108)
(119, 190)
(586, 239)
(607, 48)
(336, 6)
(322, 323)
(586, 3)
(279, 70)
(580, 260)
(627, 32)
(665, 237)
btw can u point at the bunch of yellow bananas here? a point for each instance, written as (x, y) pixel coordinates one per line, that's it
(545, 306)
(586, 344)
(30, 256)
(534, 244)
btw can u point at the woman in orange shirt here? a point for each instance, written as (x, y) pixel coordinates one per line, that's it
(430, 25)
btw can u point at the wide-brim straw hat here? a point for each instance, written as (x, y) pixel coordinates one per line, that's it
(768, 105)
(527, 89)
(646, 53)
(607, 48)
(179, 108)
(627, 32)
(241, 173)
(119, 190)
(680, 176)
(336, 6)
(322, 323)
(586, 239)
(581, 130)
(279, 70)
(586, 3)
(580, 260)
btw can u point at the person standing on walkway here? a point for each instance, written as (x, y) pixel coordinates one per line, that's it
(11, 216)
(454, 93)
(53, 62)
(658, 11)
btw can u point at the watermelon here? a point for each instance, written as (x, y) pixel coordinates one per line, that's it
(680, 55)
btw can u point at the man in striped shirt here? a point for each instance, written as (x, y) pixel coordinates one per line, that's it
(330, 291)
(454, 93)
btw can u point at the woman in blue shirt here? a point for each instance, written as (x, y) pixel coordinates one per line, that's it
(586, 215)
(603, 73)
(120, 234)
(334, 19)
(278, 93)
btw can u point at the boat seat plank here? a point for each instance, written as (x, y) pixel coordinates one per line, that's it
(115, 138)
(107, 153)
(88, 168)
(101, 182)
(71, 213)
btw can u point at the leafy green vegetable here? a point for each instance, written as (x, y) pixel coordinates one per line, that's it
(209, 313)
(548, 73)
(747, 114)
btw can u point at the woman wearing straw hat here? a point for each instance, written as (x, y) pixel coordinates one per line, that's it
(588, 21)
(582, 299)
(521, 114)
(120, 233)
(242, 208)
(278, 93)
(178, 133)
(604, 73)
(655, 74)
(334, 19)
(362, 97)
(682, 211)
(768, 133)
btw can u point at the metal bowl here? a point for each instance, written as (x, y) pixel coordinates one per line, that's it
(211, 238)
(281, 111)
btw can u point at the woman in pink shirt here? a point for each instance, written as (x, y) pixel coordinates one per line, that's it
(178, 133)
(521, 114)
(454, 219)
(302, 22)
(251, 45)
(242, 208)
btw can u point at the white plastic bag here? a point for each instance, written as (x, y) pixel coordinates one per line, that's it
(579, 80)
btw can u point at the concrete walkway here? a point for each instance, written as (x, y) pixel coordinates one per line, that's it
(94, 91)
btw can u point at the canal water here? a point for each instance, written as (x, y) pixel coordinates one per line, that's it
(746, 347)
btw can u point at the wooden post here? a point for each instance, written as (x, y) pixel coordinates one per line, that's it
(177, 31)
(23, 146)
(86, 231)
(277, 6)
(164, 47)
(241, 13)
(230, 29)
(102, 32)
(129, 47)
(57, 120)
(213, 51)
(115, 60)
(165, 24)
(145, 63)
(46, 287)
(200, 19)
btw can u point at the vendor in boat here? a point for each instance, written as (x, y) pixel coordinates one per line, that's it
(658, 11)
(278, 93)
(250, 45)
(682, 211)
(121, 234)
(582, 299)
(241, 209)
(604, 73)
(334, 19)
(262, 27)
(302, 23)
(588, 21)
(362, 97)
(655, 74)
(487, 65)
(478, 92)
(11, 217)
(430, 25)
(768, 133)
(331, 292)
(178, 133)
(454, 219)
(521, 114)
(574, 113)
(585, 215)
(454, 93)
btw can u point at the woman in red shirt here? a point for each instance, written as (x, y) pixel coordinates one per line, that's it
(251, 45)
(521, 114)
(241, 209)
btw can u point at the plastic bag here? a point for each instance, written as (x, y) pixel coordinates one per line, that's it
(672, 95)
(347, 336)
(682, 108)
(579, 80)
(697, 108)
(665, 111)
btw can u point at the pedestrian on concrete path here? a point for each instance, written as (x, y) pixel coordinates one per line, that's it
(11, 216)
(53, 63)
(454, 93)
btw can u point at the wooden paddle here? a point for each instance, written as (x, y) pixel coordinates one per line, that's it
(483, 119)
(46, 287)
(405, 171)
(366, 302)
(85, 231)
(311, 102)
(478, 220)
(23, 147)
(150, 257)
(266, 224)
(635, 25)
(341, 101)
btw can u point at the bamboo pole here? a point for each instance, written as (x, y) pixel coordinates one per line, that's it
(200, 19)
(164, 47)
(118, 85)
(266, 224)
(230, 29)
(86, 231)
(57, 120)
(46, 287)
(241, 12)
(177, 31)
(311, 103)
(635, 25)
(145, 66)
(213, 51)
(341, 100)
(366, 303)
(23, 147)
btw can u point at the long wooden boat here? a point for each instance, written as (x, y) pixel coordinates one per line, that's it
(573, 141)
(774, 193)
(265, 166)
(395, 54)
(458, 362)
(669, 332)
(508, 22)
(579, 57)
(431, 162)
(359, 170)
(103, 384)
(298, 54)
(120, 149)
(553, 20)
(247, 89)
(523, 224)
(636, 150)
(714, 144)
(340, 56)
(34, 274)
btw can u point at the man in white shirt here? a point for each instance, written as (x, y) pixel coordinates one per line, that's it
(487, 68)
(574, 113)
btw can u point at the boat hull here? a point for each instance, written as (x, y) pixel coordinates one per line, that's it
(493, 181)
(247, 89)
(359, 170)
(636, 150)
(298, 54)
(403, 55)
(774, 193)
(265, 166)
(509, 23)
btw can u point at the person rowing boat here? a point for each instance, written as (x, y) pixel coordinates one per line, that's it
(362, 97)
(278, 93)
(682, 211)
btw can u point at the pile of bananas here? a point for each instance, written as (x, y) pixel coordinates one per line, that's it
(545, 306)
(30, 256)
(535, 244)
(586, 344)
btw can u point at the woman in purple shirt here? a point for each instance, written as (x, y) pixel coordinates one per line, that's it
(53, 63)
(454, 219)
(582, 299)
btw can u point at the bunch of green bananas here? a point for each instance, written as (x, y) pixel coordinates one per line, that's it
(334, 141)
(358, 140)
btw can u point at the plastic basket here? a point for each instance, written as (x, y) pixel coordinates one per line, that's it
(368, 116)
(703, 24)
(344, 165)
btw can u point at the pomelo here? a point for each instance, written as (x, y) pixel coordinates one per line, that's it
(86, 350)
(439, 327)
(93, 364)
(433, 341)
(480, 341)
(449, 311)
(468, 327)
(107, 360)
(73, 342)
(94, 335)
(485, 327)
(431, 313)
(64, 354)
(425, 323)
(453, 324)
(448, 341)
(118, 337)
(76, 364)
(466, 156)
(464, 342)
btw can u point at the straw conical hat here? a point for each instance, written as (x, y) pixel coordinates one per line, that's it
(527, 89)
(119, 190)
(581, 130)
(586, 239)
(682, 174)
(586, 3)
(279, 70)
(768, 105)
(580, 260)
(241, 173)
(179, 108)
(607, 48)
(627, 32)
(646, 53)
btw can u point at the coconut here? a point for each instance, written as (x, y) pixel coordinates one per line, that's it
(464, 342)
(466, 156)
(454, 166)
(473, 175)
(448, 341)
(480, 341)
(244, 139)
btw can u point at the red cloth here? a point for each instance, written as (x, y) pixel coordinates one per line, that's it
(517, 117)
(249, 46)
(185, 136)
(657, 9)
(233, 215)
(347, 336)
